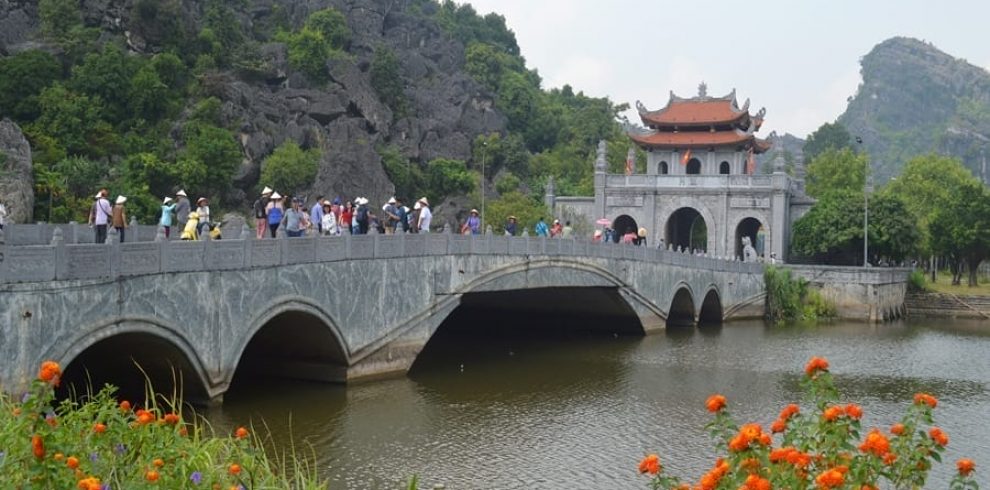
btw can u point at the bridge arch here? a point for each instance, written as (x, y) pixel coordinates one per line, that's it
(710, 312)
(294, 338)
(130, 351)
(681, 311)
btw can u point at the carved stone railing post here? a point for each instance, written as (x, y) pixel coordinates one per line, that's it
(3, 241)
(113, 248)
(160, 234)
(247, 233)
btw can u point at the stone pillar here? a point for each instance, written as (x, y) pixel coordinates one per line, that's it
(247, 233)
(550, 197)
(652, 163)
(779, 207)
(601, 167)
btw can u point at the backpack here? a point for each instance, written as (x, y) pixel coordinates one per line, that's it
(275, 215)
(259, 209)
(362, 214)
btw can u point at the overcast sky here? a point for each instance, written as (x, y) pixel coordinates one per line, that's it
(797, 58)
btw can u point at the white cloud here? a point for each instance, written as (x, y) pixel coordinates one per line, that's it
(582, 72)
(825, 106)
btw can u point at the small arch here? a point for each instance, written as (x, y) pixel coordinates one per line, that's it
(664, 168)
(623, 224)
(131, 360)
(686, 229)
(681, 312)
(752, 228)
(293, 341)
(693, 167)
(711, 309)
(723, 168)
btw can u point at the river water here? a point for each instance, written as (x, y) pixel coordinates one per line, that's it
(581, 410)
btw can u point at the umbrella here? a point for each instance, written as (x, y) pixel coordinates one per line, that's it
(603, 222)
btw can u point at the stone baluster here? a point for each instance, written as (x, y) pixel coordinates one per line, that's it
(489, 231)
(58, 241)
(160, 234)
(113, 244)
(247, 233)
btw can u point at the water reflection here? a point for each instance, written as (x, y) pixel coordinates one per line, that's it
(579, 410)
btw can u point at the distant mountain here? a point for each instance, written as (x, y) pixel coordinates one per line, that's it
(788, 148)
(916, 99)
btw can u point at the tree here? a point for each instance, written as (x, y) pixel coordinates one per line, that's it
(107, 75)
(209, 159)
(59, 17)
(290, 169)
(386, 81)
(404, 173)
(832, 136)
(73, 121)
(832, 232)
(961, 229)
(527, 211)
(836, 170)
(22, 78)
(308, 53)
(332, 25)
(447, 177)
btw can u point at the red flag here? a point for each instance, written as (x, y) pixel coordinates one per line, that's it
(750, 163)
(685, 157)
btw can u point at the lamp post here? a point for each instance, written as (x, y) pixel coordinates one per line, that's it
(866, 207)
(484, 153)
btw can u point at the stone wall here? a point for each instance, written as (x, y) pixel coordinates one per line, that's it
(865, 294)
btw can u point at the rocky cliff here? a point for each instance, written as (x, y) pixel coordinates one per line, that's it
(916, 99)
(270, 103)
(16, 182)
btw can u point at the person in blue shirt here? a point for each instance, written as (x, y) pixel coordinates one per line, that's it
(542, 229)
(166, 220)
(316, 214)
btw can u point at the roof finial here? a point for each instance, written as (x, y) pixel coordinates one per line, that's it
(703, 90)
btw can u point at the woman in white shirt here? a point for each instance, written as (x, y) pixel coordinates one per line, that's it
(203, 210)
(329, 222)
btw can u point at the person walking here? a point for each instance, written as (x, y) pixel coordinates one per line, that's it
(556, 229)
(3, 214)
(275, 211)
(166, 219)
(414, 218)
(425, 215)
(472, 225)
(294, 219)
(361, 218)
(346, 215)
(510, 226)
(568, 230)
(182, 208)
(203, 211)
(402, 212)
(101, 214)
(390, 216)
(261, 212)
(119, 217)
(316, 214)
(329, 225)
(541, 228)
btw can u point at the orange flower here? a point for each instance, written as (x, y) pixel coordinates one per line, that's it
(234, 469)
(876, 443)
(99, 428)
(38, 446)
(889, 459)
(125, 406)
(72, 462)
(830, 479)
(755, 482)
(778, 426)
(925, 398)
(938, 436)
(751, 465)
(144, 417)
(789, 411)
(814, 365)
(832, 413)
(854, 411)
(897, 429)
(715, 403)
(747, 434)
(50, 372)
(171, 418)
(58, 456)
(650, 464)
(241, 433)
(151, 475)
(965, 466)
(90, 483)
(183, 431)
(158, 463)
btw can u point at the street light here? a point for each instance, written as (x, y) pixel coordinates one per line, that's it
(866, 207)
(484, 153)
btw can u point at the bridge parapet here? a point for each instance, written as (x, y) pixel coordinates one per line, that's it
(70, 261)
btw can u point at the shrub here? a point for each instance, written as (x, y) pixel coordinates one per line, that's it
(917, 281)
(820, 446)
(790, 299)
(289, 168)
(101, 444)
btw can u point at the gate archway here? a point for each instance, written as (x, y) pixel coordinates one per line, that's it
(686, 228)
(750, 227)
(622, 225)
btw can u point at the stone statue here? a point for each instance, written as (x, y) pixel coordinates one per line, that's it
(600, 164)
(749, 253)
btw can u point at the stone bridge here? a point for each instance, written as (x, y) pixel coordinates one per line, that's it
(328, 308)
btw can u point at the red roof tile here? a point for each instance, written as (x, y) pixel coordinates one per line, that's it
(699, 139)
(694, 112)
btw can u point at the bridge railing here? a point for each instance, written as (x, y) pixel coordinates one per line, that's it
(69, 261)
